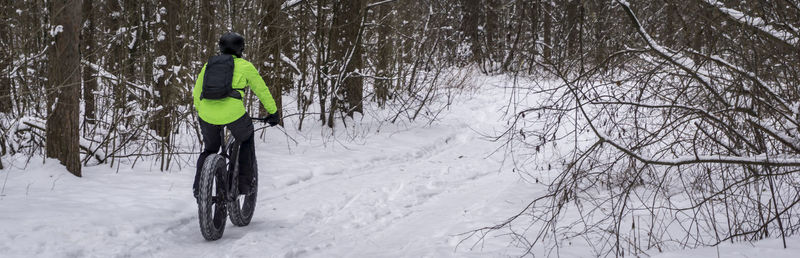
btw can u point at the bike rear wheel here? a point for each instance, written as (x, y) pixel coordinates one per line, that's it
(211, 199)
(242, 207)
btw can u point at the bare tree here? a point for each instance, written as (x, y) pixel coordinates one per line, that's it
(670, 140)
(138, 60)
(65, 82)
(207, 32)
(346, 57)
(89, 53)
(273, 29)
(6, 103)
(384, 70)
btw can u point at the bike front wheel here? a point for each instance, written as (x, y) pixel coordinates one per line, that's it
(211, 200)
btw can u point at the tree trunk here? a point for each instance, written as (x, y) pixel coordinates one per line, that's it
(492, 32)
(165, 58)
(535, 15)
(321, 59)
(547, 16)
(88, 52)
(573, 30)
(346, 52)
(207, 33)
(64, 80)
(599, 13)
(469, 26)
(133, 38)
(354, 81)
(5, 59)
(304, 100)
(385, 53)
(273, 31)
(117, 56)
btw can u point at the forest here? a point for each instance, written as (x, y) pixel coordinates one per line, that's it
(662, 124)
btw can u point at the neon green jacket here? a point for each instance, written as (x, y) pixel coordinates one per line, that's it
(227, 110)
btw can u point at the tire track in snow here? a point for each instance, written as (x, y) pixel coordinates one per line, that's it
(156, 239)
(391, 159)
(376, 203)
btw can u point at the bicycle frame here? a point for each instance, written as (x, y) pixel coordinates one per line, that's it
(219, 196)
(230, 150)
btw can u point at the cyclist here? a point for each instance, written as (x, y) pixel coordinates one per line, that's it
(221, 105)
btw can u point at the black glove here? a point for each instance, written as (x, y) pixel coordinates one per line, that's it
(273, 119)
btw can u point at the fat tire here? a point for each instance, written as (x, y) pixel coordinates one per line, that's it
(241, 211)
(212, 217)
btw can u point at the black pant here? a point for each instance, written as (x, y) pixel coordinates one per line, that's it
(242, 131)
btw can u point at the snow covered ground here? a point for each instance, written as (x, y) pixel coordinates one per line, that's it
(405, 191)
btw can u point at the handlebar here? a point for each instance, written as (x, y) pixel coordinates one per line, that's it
(261, 119)
(264, 119)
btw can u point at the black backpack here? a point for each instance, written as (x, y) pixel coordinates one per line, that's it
(218, 79)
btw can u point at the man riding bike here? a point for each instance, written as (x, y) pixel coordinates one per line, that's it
(217, 97)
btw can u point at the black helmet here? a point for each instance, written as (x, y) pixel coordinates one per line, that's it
(232, 44)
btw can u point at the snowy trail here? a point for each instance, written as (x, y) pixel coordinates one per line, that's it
(404, 192)
(400, 192)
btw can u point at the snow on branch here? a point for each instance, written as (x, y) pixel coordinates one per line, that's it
(380, 3)
(290, 3)
(763, 160)
(102, 73)
(687, 64)
(677, 59)
(291, 63)
(755, 22)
